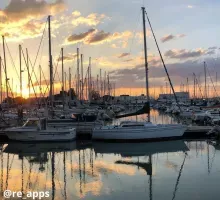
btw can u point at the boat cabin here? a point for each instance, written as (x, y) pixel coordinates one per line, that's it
(41, 124)
(128, 124)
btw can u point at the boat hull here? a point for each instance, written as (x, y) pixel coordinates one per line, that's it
(47, 135)
(165, 132)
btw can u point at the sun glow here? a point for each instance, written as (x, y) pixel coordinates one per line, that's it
(25, 93)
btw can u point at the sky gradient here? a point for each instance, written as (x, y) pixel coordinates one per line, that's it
(111, 33)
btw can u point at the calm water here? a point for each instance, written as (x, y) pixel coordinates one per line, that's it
(162, 170)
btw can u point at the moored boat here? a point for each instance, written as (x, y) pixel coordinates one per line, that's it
(130, 130)
(36, 129)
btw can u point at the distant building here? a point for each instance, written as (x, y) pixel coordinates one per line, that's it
(181, 96)
(131, 99)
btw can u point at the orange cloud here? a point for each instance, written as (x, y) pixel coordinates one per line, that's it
(75, 38)
(21, 19)
(26, 10)
(98, 38)
(94, 37)
(92, 19)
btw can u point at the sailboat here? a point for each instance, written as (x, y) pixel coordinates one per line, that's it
(132, 130)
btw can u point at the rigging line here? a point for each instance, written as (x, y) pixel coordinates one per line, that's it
(43, 95)
(47, 88)
(212, 81)
(8, 84)
(178, 178)
(212, 161)
(6, 184)
(163, 62)
(39, 48)
(200, 90)
(199, 85)
(12, 59)
(30, 77)
(56, 68)
(34, 73)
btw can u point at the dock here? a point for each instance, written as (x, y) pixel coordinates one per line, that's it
(84, 131)
(197, 131)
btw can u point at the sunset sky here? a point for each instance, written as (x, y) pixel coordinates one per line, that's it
(111, 33)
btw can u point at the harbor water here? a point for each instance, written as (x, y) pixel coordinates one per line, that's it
(94, 170)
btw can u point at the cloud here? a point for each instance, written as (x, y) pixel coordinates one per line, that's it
(115, 46)
(21, 19)
(75, 38)
(26, 10)
(167, 38)
(115, 63)
(98, 37)
(184, 54)
(128, 60)
(178, 72)
(213, 48)
(94, 37)
(68, 58)
(190, 6)
(181, 35)
(92, 19)
(123, 55)
(76, 13)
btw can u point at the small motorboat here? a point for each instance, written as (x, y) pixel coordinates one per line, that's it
(132, 130)
(36, 129)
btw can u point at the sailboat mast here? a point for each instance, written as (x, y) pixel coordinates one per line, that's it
(20, 70)
(108, 85)
(40, 81)
(90, 79)
(146, 62)
(52, 175)
(165, 68)
(65, 81)
(88, 84)
(205, 80)
(187, 82)
(82, 77)
(50, 62)
(1, 76)
(77, 89)
(62, 79)
(194, 88)
(28, 73)
(104, 83)
(70, 77)
(100, 78)
(6, 75)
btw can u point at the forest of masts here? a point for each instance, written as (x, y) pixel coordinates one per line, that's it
(197, 89)
(84, 84)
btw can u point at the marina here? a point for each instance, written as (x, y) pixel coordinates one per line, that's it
(101, 111)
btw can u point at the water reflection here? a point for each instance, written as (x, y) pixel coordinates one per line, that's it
(156, 118)
(159, 170)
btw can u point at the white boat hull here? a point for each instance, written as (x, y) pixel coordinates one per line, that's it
(141, 133)
(43, 135)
